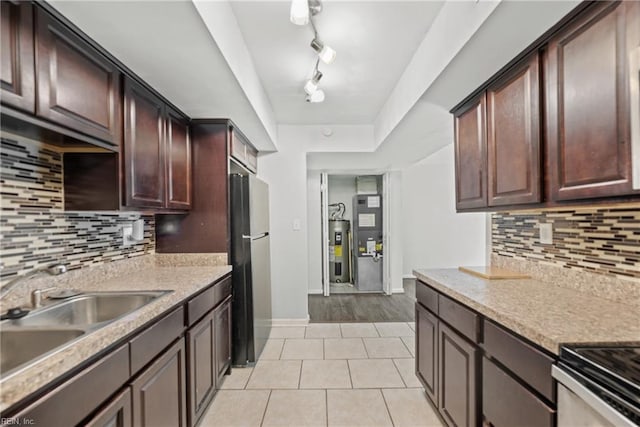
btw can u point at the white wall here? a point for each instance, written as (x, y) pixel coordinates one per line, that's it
(314, 233)
(285, 172)
(342, 188)
(435, 236)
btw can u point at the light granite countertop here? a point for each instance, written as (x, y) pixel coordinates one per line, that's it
(183, 281)
(547, 314)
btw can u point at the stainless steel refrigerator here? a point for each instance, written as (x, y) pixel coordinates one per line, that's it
(250, 258)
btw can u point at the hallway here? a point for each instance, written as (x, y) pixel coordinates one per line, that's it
(365, 307)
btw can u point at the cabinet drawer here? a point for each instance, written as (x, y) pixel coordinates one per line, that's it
(222, 290)
(75, 399)
(461, 318)
(507, 403)
(427, 296)
(530, 364)
(152, 341)
(199, 305)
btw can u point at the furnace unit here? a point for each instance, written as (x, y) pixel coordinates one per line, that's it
(367, 242)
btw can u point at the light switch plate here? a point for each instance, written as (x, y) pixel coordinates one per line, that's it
(546, 233)
(296, 224)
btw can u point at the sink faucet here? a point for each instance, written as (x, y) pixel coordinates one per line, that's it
(52, 270)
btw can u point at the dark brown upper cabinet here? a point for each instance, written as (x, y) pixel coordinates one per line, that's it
(143, 153)
(242, 150)
(77, 86)
(471, 155)
(157, 152)
(587, 87)
(178, 161)
(513, 136)
(17, 79)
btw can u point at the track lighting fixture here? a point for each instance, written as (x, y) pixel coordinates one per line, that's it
(325, 53)
(302, 13)
(312, 85)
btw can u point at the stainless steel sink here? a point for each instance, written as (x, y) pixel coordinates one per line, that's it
(19, 346)
(89, 309)
(51, 328)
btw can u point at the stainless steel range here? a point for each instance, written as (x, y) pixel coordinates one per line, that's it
(598, 386)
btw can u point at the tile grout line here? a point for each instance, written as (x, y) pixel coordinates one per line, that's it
(250, 375)
(300, 374)
(284, 341)
(399, 373)
(365, 348)
(264, 414)
(349, 369)
(326, 404)
(386, 405)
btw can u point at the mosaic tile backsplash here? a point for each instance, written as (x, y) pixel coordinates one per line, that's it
(599, 240)
(36, 231)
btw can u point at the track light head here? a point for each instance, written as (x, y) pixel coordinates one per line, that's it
(299, 12)
(325, 53)
(317, 96)
(312, 85)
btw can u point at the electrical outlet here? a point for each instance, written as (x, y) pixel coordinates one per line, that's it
(546, 233)
(127, 232)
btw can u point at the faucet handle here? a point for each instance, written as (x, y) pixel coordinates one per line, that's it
(36, 296)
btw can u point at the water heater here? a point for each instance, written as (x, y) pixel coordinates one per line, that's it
(339, 251)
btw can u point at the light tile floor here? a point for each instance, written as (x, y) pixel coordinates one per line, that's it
(352, 374)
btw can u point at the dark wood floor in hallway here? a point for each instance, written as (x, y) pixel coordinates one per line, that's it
(365, 307)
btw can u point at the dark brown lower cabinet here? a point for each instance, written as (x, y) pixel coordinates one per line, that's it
(202, 373)
(117, 413)
(159, 393)
(222, 324)
(458, 368)
(427, 351)
(507, 403)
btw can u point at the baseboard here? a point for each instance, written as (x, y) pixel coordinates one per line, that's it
(315, 292)
(408, 276)
(289, 322)
(397, 291)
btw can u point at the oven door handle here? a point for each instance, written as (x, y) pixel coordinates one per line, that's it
(591, 399)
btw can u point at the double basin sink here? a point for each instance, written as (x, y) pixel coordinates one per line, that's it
(42, 332)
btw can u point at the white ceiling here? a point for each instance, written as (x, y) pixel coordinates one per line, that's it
(374, 40)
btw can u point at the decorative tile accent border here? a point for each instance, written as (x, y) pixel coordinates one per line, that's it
(36, 231)
(599, 240)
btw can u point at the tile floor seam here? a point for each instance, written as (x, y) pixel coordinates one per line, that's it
(406, 346)
(282, 349)
(398, 370)
(249, 379)
(365, 348)
(349, 369)
(326, 404)
(300, 374)
(387, 406)
(264, 413)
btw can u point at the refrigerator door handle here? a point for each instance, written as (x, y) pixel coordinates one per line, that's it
(255, 236)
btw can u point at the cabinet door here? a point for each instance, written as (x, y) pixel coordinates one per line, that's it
(17, 57)
(178, 160)
(77, 86)
(117, 413)
(458, 368)
(587, 104)
(202, 376)
(159, 393)
(222, 322)
(427, 351)
(513, 136)
(143, 147)
(471, 155)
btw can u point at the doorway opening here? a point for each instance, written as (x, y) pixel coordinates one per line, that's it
(353, 234)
